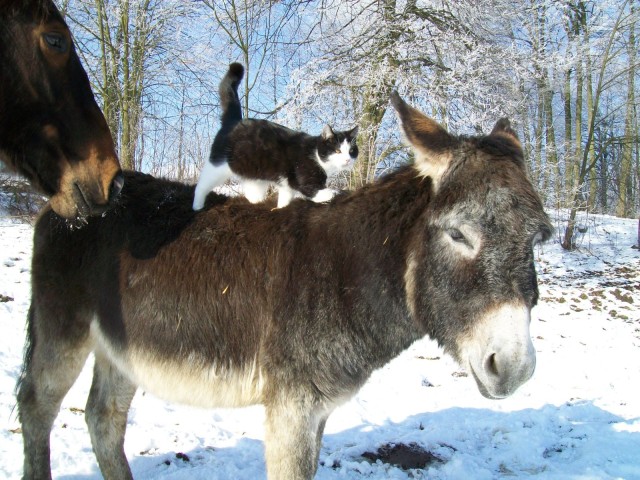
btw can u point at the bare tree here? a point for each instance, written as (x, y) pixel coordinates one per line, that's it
(363, 50)
(257, 32)
(606, 76)
(122, 41)
(625, 187)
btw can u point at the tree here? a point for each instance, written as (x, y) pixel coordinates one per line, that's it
(363, 50)
(607, 74)
(122, 41)
(625, 188)
(256, 32)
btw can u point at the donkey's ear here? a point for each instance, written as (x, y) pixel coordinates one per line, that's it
(431, 143)
(327, 132)
(502, 129)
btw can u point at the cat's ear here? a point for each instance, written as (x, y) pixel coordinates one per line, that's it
(327, 133)
(353, 133)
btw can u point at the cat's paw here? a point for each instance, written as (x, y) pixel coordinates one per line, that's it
(198, 203)
(324, 195)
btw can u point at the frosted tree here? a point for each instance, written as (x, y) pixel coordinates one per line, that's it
(435, 53)
(124, 44)
(610, 67)
(262, 35)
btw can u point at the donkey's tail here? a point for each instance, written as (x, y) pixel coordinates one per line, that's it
(28, 348)
(229, 100)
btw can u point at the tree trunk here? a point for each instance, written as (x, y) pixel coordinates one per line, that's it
(126, 157)
(374, 106)
(568, 129)
(625, 187)
(593, 101)
(592, 109)
(550, 142)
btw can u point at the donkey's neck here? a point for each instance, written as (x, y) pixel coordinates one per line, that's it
(361, 242)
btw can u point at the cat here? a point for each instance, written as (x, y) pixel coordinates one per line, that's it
(263, 153)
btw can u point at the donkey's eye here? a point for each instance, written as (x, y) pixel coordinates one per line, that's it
(465, 241)
(56, 41)
(456, 235)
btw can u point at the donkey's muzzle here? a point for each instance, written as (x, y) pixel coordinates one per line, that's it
(500, 353)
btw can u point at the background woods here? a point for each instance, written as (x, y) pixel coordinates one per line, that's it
(564, 71)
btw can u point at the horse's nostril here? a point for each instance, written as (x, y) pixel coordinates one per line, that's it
(116, 186)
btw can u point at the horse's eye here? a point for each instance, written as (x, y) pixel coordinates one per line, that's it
(56, 41)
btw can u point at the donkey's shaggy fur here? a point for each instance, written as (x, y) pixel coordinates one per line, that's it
(292, 308)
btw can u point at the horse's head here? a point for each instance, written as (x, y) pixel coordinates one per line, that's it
(470, 278)
(51, 129)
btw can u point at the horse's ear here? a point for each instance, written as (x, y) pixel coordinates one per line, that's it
(431, 143)
(502, 129)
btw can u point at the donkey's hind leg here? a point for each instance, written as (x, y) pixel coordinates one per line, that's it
(107, 408)
(53, 361)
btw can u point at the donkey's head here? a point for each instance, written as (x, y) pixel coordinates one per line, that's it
(51, 129)
(470, 277)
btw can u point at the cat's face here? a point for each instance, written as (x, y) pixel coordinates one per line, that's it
(337, 151)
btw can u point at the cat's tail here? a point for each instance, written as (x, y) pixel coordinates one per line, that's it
(229, 99)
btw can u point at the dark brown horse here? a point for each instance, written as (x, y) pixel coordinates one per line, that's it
(292, 308)
(51, 129)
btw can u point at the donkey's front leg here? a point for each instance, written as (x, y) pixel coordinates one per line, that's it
(107, 408)
(293, 436)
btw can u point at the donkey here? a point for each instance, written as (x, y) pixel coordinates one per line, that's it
(291, 308)
(51, 129)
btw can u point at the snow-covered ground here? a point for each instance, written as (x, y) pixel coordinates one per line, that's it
(577, 418)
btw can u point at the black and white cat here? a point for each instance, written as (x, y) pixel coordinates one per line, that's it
(262, 153)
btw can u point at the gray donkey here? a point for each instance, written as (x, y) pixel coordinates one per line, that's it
(294, 308)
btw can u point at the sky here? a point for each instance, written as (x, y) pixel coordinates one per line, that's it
(577, 418)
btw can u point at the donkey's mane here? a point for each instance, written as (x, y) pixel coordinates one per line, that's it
(496, 146)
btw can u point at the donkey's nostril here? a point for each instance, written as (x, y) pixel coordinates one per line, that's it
(491, 365)
(116, 186)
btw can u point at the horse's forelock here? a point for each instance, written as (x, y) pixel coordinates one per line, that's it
(40, 10)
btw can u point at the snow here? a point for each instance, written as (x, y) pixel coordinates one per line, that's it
(577, 418)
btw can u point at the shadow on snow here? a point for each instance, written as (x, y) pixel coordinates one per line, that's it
(575, 439)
